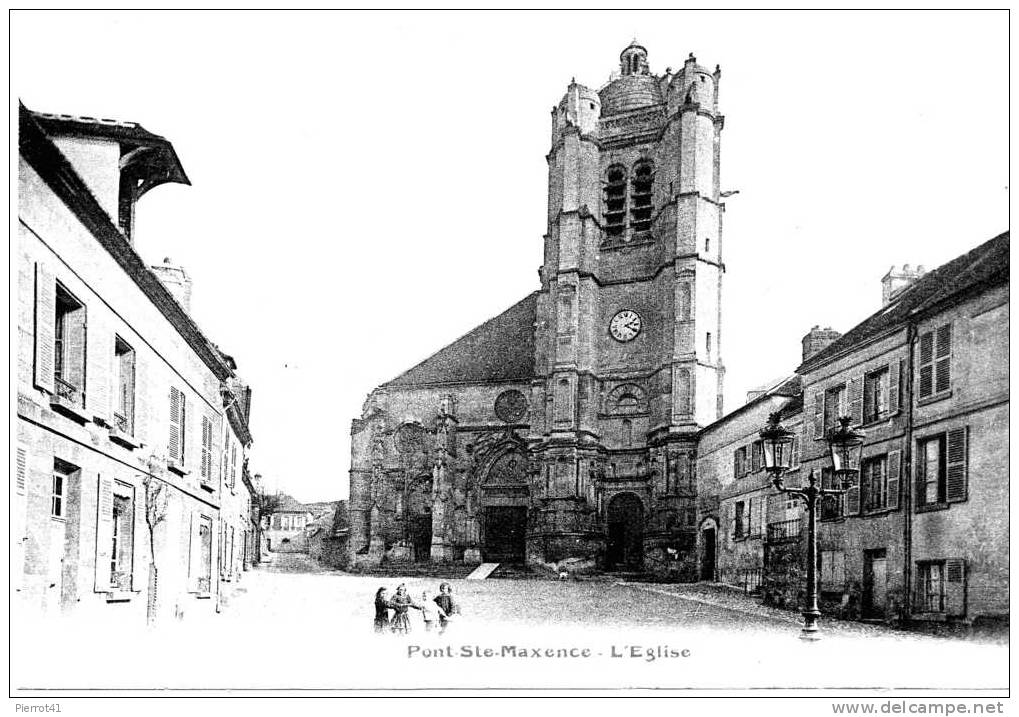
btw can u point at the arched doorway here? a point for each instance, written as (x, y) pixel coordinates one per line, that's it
(625, 548)
(709, 541)
(504, 497)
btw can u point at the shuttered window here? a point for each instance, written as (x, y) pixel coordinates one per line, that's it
(833, 570)
(69, 348)
(614, 218)
(834, 406)
(124, 385)
(935, 361)
(206, 469)
(941, 587)
(755, 456)
(178, 416)
(831, 505)
(875, 395)
(941, 468)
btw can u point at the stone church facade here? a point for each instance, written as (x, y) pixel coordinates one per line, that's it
(563, 433)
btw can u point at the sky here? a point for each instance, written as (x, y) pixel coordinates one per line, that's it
(367, 187)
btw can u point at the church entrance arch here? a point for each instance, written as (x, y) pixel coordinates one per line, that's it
(625, 547)
(504, 501)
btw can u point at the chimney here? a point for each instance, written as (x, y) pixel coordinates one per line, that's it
(176, 280)
(818, 339)
(896, 281)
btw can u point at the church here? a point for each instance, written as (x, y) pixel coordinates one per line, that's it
(562, 434)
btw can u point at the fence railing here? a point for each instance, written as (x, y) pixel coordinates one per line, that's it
(747, 579)
(784, 530)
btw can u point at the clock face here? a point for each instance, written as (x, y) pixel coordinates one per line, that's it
(625, 325)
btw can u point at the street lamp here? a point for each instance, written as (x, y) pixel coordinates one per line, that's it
(846, 446)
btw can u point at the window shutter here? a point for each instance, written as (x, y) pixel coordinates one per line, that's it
(955, 587)
(139, 566)
(174, 446)
(194, 554)
(45, 326)
(206, 467)
(920, 479)
(927, 364)
(894, 471)
(104, 533)
(818, 415)
(943, 356)
(852, 498)
(19, 520)
(99, 352)
(955, 466)
(855, 391)
(141, 399)
(894, 382)
(730, 517)
(22, 469)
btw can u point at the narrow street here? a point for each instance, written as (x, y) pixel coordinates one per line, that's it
(291, 624)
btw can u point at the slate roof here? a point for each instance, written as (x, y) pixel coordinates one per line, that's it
(501, 349)
(986, 266)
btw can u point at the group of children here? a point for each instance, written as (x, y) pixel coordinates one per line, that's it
(441, 609)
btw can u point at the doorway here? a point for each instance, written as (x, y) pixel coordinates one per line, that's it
(875, 583)
(708, 556)
(505, 534)
(625, 548)
(421, 536)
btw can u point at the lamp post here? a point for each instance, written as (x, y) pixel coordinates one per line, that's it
(845, 446)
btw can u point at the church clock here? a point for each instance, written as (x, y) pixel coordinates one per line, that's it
(625, 325)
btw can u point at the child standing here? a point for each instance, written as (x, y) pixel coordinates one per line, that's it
(431, 611)
(445, 603)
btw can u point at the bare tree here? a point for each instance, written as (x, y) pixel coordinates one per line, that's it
(156, 498)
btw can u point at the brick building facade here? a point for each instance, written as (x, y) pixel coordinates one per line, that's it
(563, 432)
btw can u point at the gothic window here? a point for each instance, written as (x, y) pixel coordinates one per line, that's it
(615, 202)
(641, 184)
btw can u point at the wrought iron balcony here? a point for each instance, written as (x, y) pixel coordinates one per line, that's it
(68, 392)
(120, 580)
(784, 530)
(121, 423)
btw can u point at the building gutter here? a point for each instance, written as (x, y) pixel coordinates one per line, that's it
(907, 470)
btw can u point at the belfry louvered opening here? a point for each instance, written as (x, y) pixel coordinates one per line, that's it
(615, 202)
(641, 184)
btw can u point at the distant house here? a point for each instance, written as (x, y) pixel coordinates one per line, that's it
(283, 529)
(327, 536)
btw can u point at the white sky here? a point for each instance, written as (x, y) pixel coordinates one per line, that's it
(368, 187)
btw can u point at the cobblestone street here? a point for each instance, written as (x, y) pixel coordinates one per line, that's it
(290, 624)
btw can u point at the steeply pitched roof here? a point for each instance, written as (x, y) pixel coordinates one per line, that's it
(987, 265)
(501, 349)
(289, 504)
(43, 156)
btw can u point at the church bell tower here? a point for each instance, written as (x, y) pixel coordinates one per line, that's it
(628, 329)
